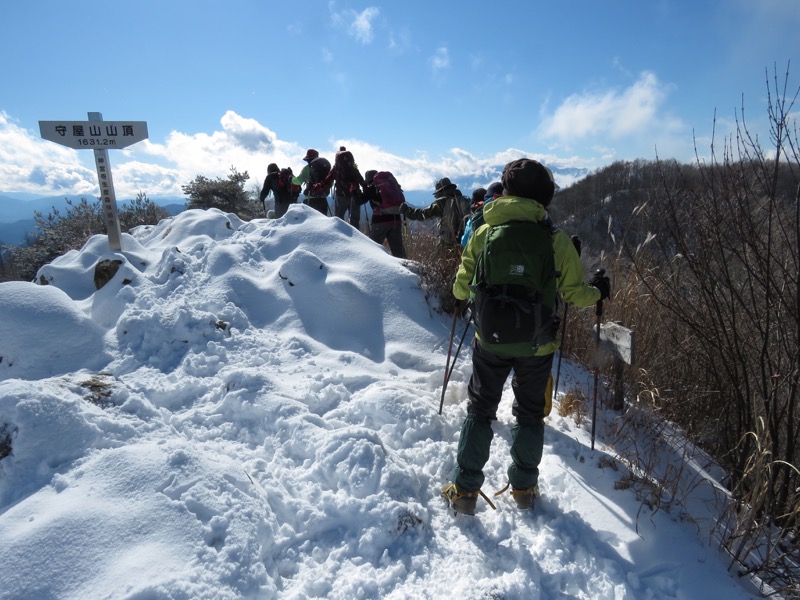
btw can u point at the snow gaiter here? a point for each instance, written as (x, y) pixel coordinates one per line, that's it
(526, 453)
(473, 452)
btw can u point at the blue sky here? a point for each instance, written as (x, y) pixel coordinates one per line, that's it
(425, 89)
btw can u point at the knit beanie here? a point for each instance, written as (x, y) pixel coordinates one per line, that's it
(530, 179)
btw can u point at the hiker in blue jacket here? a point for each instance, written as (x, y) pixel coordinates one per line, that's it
(495, 190)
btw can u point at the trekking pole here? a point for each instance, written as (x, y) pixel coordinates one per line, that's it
(599, 313)
(561, 349)
(449, 366)
(447, 363)
(449, 371)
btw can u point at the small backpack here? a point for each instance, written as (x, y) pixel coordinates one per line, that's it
(515, 285)
(285, 185)
(390, 192)
(319, 168)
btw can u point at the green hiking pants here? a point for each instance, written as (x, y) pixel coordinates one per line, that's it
(489, 374)
(473, 452)
(526, 453)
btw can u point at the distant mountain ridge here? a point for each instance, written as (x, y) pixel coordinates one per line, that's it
(17, 206)
(13, 234)
(17, 214)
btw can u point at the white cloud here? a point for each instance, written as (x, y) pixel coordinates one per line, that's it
(335, 17)
(248, 133)
(357, 24)
(31, 164)
(399, 41)
(440, 59)
(159, 169)
(154, 180)
(612, 113)
(361, 28)
(243, 143)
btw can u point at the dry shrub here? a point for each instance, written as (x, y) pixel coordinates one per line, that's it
(756, 542)
(573, 404)
(99, 389)
(6, 435)
(438, 265)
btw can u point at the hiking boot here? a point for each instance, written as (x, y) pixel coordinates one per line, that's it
(460, 501)
(525, 498)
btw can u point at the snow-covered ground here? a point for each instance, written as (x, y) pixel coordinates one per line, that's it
(250, 410)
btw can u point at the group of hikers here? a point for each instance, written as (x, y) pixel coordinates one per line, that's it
(319, 178)
(351, 190)
(515, 267)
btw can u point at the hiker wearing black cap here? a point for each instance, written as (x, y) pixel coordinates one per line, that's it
(314, 194)
(449, 206)
(521, 239)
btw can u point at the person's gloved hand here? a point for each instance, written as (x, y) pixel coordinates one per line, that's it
(404, 209)
(602, 283)
(459, 307)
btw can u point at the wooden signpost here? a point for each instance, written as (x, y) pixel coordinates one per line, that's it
(98, 135)
(620, 343)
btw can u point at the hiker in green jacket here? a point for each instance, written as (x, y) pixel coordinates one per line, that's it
(315, 199)
(528, 189)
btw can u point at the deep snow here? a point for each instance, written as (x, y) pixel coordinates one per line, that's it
(250, 410)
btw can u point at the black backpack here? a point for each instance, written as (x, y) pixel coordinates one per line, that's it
(319, 169)
(318, 184)
(345, 168)
(515, 285)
